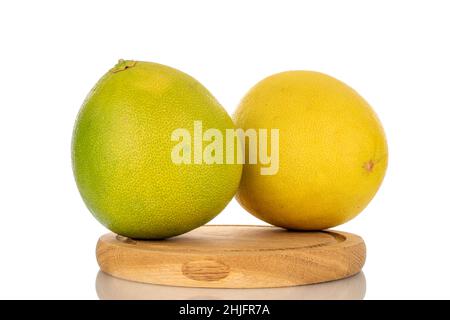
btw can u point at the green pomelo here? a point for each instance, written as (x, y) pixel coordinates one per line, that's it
(121, 152)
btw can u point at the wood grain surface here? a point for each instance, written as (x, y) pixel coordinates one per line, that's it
(234, 256)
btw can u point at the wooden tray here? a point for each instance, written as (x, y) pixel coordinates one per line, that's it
(234, 256)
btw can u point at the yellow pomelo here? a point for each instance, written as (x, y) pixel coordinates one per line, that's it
(122, 146)
(332, 151)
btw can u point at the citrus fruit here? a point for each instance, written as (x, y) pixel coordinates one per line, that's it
(122, 152)
(332, 151)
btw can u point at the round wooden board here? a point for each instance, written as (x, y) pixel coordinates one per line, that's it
(234, 256)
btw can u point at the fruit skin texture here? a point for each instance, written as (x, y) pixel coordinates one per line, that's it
(333, 151)
(121, 152)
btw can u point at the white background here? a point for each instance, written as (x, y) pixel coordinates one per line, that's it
(396, 54)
